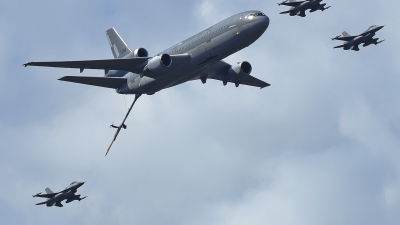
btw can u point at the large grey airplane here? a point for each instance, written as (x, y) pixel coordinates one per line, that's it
(55, 199)
(366, 38)
(196, 58)
(299, 8)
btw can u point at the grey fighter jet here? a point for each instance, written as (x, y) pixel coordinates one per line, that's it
(197, 58)
(55, 199)
(366, 38)
(299, 8)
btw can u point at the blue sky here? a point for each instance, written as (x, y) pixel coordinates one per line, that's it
(319, 146)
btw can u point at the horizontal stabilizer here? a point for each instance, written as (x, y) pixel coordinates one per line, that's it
(339, 46)
(41, 203)
(107, 82)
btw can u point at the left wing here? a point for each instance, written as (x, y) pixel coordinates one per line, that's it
(219, 71)
(45, 195)
(134, 65)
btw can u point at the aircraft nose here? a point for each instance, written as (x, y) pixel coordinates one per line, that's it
(262, 24)
(265, 21)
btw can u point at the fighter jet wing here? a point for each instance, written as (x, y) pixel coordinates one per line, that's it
(291, 3)
(348, 38)
(134, 65)
(45, 195)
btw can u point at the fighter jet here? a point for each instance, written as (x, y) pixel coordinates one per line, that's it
(299, 8)
(196, 58)
(366, 38)
(55, 199)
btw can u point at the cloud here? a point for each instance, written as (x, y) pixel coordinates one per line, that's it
(319, 146)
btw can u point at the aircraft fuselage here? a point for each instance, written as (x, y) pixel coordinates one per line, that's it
(312, 5)
(205, 49)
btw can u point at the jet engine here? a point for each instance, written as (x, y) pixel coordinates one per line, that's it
(159, 63)
(239, 71)
(140, 52)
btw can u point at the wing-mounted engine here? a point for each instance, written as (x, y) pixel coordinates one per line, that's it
(239, 71)
(159, 63)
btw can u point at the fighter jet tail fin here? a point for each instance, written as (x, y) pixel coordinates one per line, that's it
(49, 191)
(118, 46)
(345, 34)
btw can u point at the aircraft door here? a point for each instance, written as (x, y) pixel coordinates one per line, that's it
(240, 24)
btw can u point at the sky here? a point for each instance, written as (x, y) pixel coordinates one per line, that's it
(319, 146)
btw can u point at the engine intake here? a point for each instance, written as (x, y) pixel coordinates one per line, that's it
(240, 71)
(159, 63)
(140, 52)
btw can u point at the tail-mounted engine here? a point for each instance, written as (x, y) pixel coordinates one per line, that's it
(140, 52)
(159, 63)
(239, 71)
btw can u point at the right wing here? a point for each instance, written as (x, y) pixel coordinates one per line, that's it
(134, 65)
(219, 71)
(107, 82)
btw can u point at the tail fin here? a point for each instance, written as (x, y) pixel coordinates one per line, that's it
(48, 191)
(345, 34)
(118, 46)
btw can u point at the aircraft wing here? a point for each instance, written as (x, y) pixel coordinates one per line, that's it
(134, 65)
(219, 71)
(107, 82)
(292, 3)
(45, 195)
(178, 61)
(349, 38)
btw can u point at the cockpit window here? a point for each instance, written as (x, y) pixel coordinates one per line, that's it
(73, 183)
(252, 15)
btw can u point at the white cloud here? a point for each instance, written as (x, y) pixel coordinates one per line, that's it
(319, 146)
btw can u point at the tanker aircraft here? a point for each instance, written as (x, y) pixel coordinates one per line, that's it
(55, 199)
(299, 8)
(366, 38)
(196, 58)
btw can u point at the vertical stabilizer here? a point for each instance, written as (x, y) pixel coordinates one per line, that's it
(48, 191)
(118, 46)
(345, 34)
